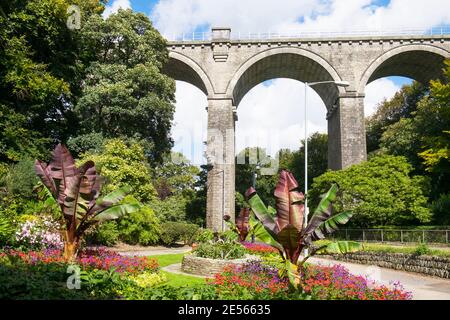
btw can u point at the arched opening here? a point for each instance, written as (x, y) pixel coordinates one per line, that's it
(266, 97)
(384, 79)
(190, 118)
(291, 63)
(419, 62)
(269, 93)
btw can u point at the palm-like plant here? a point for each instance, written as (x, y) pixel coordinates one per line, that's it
(77, 191)
(242, 225)
(283, 227)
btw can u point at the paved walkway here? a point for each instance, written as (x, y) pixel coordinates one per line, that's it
(154, 251)
(422, 287)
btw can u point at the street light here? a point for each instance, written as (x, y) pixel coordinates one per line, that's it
(210, 166)
(307, 85)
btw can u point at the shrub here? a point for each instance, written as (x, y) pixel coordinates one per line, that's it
(204, 235)
(422, 249)
(171, 209)
(380, 191)
(7, 231)
(140, 227)
(441, 209)
(173, 232)
(147, 279)
(20, 178)
(105, 234)
(37, 233)
(220, 249)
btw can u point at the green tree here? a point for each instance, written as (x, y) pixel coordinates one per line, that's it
(380, 191)
(124, 163)
(246, 165)
(317, 159)
(40, 74)
(402, 105)
(125, 93)
(175, 176)
(433, 118)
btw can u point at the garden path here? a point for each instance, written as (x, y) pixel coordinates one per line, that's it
(154, 251)
(422, 287)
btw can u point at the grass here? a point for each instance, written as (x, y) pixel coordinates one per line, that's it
(165, 260)
(407, 249)
(374, 247)
(173, 279)
(180, 280)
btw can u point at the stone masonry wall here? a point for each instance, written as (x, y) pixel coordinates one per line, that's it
(208, 267)
(428, 265)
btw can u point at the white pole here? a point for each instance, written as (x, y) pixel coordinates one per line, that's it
(306, 160)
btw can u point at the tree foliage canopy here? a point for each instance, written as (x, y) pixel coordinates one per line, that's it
(380, 192)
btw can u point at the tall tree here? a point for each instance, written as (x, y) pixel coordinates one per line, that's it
(124, 93)
(39, 74)
(402, 105)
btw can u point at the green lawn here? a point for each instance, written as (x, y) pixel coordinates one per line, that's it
(173, 279)
(168, 259)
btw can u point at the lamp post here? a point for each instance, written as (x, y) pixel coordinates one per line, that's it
(308, 85)
(210, 166)
(255, 175)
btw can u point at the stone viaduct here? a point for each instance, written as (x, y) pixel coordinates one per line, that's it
(225, 69)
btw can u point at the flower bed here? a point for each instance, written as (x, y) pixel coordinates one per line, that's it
(89, 259)
(337, 283)
(259, 248)
(250, 281)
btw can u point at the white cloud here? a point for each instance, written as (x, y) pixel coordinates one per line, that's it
(177, 16)
(376, 92)
(272, 116)
(190, 122)
(115, 6)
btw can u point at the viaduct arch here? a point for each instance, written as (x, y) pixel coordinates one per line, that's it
(226, 69)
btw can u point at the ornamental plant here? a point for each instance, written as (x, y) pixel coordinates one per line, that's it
(99, 259)
(77, 191)
(283, 228)
(242, 227)
(40, 233)
(251, 281)
(337, 283)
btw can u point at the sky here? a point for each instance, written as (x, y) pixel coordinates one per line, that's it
(271, 114)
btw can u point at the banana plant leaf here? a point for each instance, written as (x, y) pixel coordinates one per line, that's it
(263, 235)
(116, 212)
(77, 194)
(340, 247)
(242, 223)
(113, 198)
(291, 271)
(289, 238)
(331, 225)
(321, 214)
(262, 212)
(63, 168)
(289, 202)
(44, 172)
